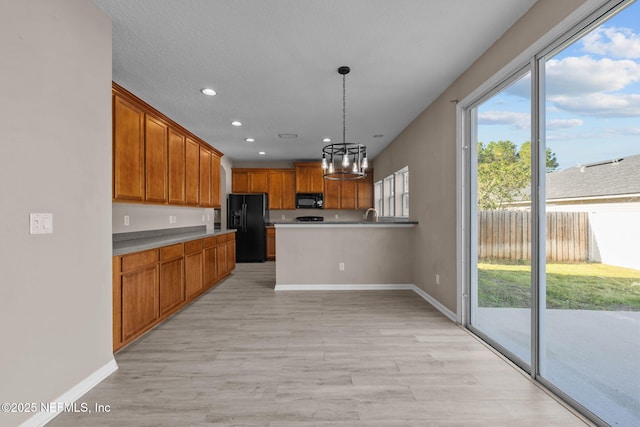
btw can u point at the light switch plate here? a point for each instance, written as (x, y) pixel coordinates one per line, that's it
(40, 223)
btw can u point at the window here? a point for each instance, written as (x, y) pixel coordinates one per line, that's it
(391, 194)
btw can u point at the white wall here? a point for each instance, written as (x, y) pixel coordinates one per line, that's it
(55, 156)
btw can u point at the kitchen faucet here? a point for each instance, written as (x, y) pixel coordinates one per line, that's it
(374, 217)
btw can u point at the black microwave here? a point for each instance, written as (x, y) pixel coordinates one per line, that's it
(309, 200)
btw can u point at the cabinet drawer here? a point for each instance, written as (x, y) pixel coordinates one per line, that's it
(193, 246)
(210, 241)
(171, 252)
(139, 259)
(230, 236)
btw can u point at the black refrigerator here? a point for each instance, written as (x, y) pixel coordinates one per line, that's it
(248, 215)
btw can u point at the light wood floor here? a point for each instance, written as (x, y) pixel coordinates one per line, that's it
(243, 355)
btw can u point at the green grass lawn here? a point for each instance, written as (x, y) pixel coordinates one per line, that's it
(579, 286)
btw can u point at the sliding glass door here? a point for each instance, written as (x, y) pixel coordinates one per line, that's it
(501, 297)
(554, 280)
(590, 319)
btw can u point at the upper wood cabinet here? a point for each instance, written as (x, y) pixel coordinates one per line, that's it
(365, 191)
(249, 180)
(351, 194)
(177, 168)
(128, 150)
(309, 177)
(215, 180)
(192, 172)
(155, 164)
(281, 189)
(155, 160)
(205, 178)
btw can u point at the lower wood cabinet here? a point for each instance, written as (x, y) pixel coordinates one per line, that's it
(171, 287)
(271, 243)
(151, 285)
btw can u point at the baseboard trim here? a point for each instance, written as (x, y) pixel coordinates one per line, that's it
(75, 393)
(373, 287)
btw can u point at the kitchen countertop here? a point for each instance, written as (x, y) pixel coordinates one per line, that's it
(126, 243)
(389, 223)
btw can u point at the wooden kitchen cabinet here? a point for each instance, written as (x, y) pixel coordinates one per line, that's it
(215, 180)
(282, 189)
(365, 191)
(193, 274)
(155, 160)
(151, 285)
(209, 260)
(309, 177)
(221, 257)
(206, 199)
(231, 252)
(155, 163)
(137, 302)
(171, 287)
(249, 180)
(271, 243)
(128, 150)
(350, 194)
(192, 172)
(177, 168)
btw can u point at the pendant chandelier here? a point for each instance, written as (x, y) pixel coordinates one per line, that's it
(344, 161)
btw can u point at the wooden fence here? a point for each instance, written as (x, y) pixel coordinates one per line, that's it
(506, 235)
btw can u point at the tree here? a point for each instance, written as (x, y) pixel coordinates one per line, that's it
(504, 172)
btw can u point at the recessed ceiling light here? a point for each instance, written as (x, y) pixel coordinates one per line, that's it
(208, 91)
(262, 153)
(326, 140)
(250, 140)
(236, 123)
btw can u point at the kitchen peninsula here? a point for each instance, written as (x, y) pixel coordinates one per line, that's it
(344, 255)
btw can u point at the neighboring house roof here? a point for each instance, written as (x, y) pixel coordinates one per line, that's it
(607, 178)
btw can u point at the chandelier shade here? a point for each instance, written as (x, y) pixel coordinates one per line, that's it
(347, 160)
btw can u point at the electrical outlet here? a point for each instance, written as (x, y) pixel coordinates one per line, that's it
(337, 216)
(126, 220)
(341, 266)
(437, 279)
(283, 217)
(203, 220)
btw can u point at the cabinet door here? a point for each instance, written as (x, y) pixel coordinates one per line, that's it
(258, 181)
(275, 189)
(192, 172)
(316, 179)
(288, 190)
(231, 252)
(139, 301)
(177, 168)
(128, 151)
(365, 191)
(239, 181)
(221, 257)
(348, 191)
(209, 261)
(205, 177)
(271, 243)
(155, 165)
(171, 287)
(331, 194)
(303, 179)
(193, 274)
(215, 180)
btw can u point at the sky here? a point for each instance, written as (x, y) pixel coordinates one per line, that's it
(592, 91)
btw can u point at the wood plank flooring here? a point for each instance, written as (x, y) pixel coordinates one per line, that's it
(244, 355)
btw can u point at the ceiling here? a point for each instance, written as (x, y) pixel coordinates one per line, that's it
(274, 65)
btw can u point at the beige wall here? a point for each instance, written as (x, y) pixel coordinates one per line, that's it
(428, 147)
(371, 254)
(55, 290)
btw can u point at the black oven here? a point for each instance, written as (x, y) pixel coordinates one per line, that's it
(309, 200)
